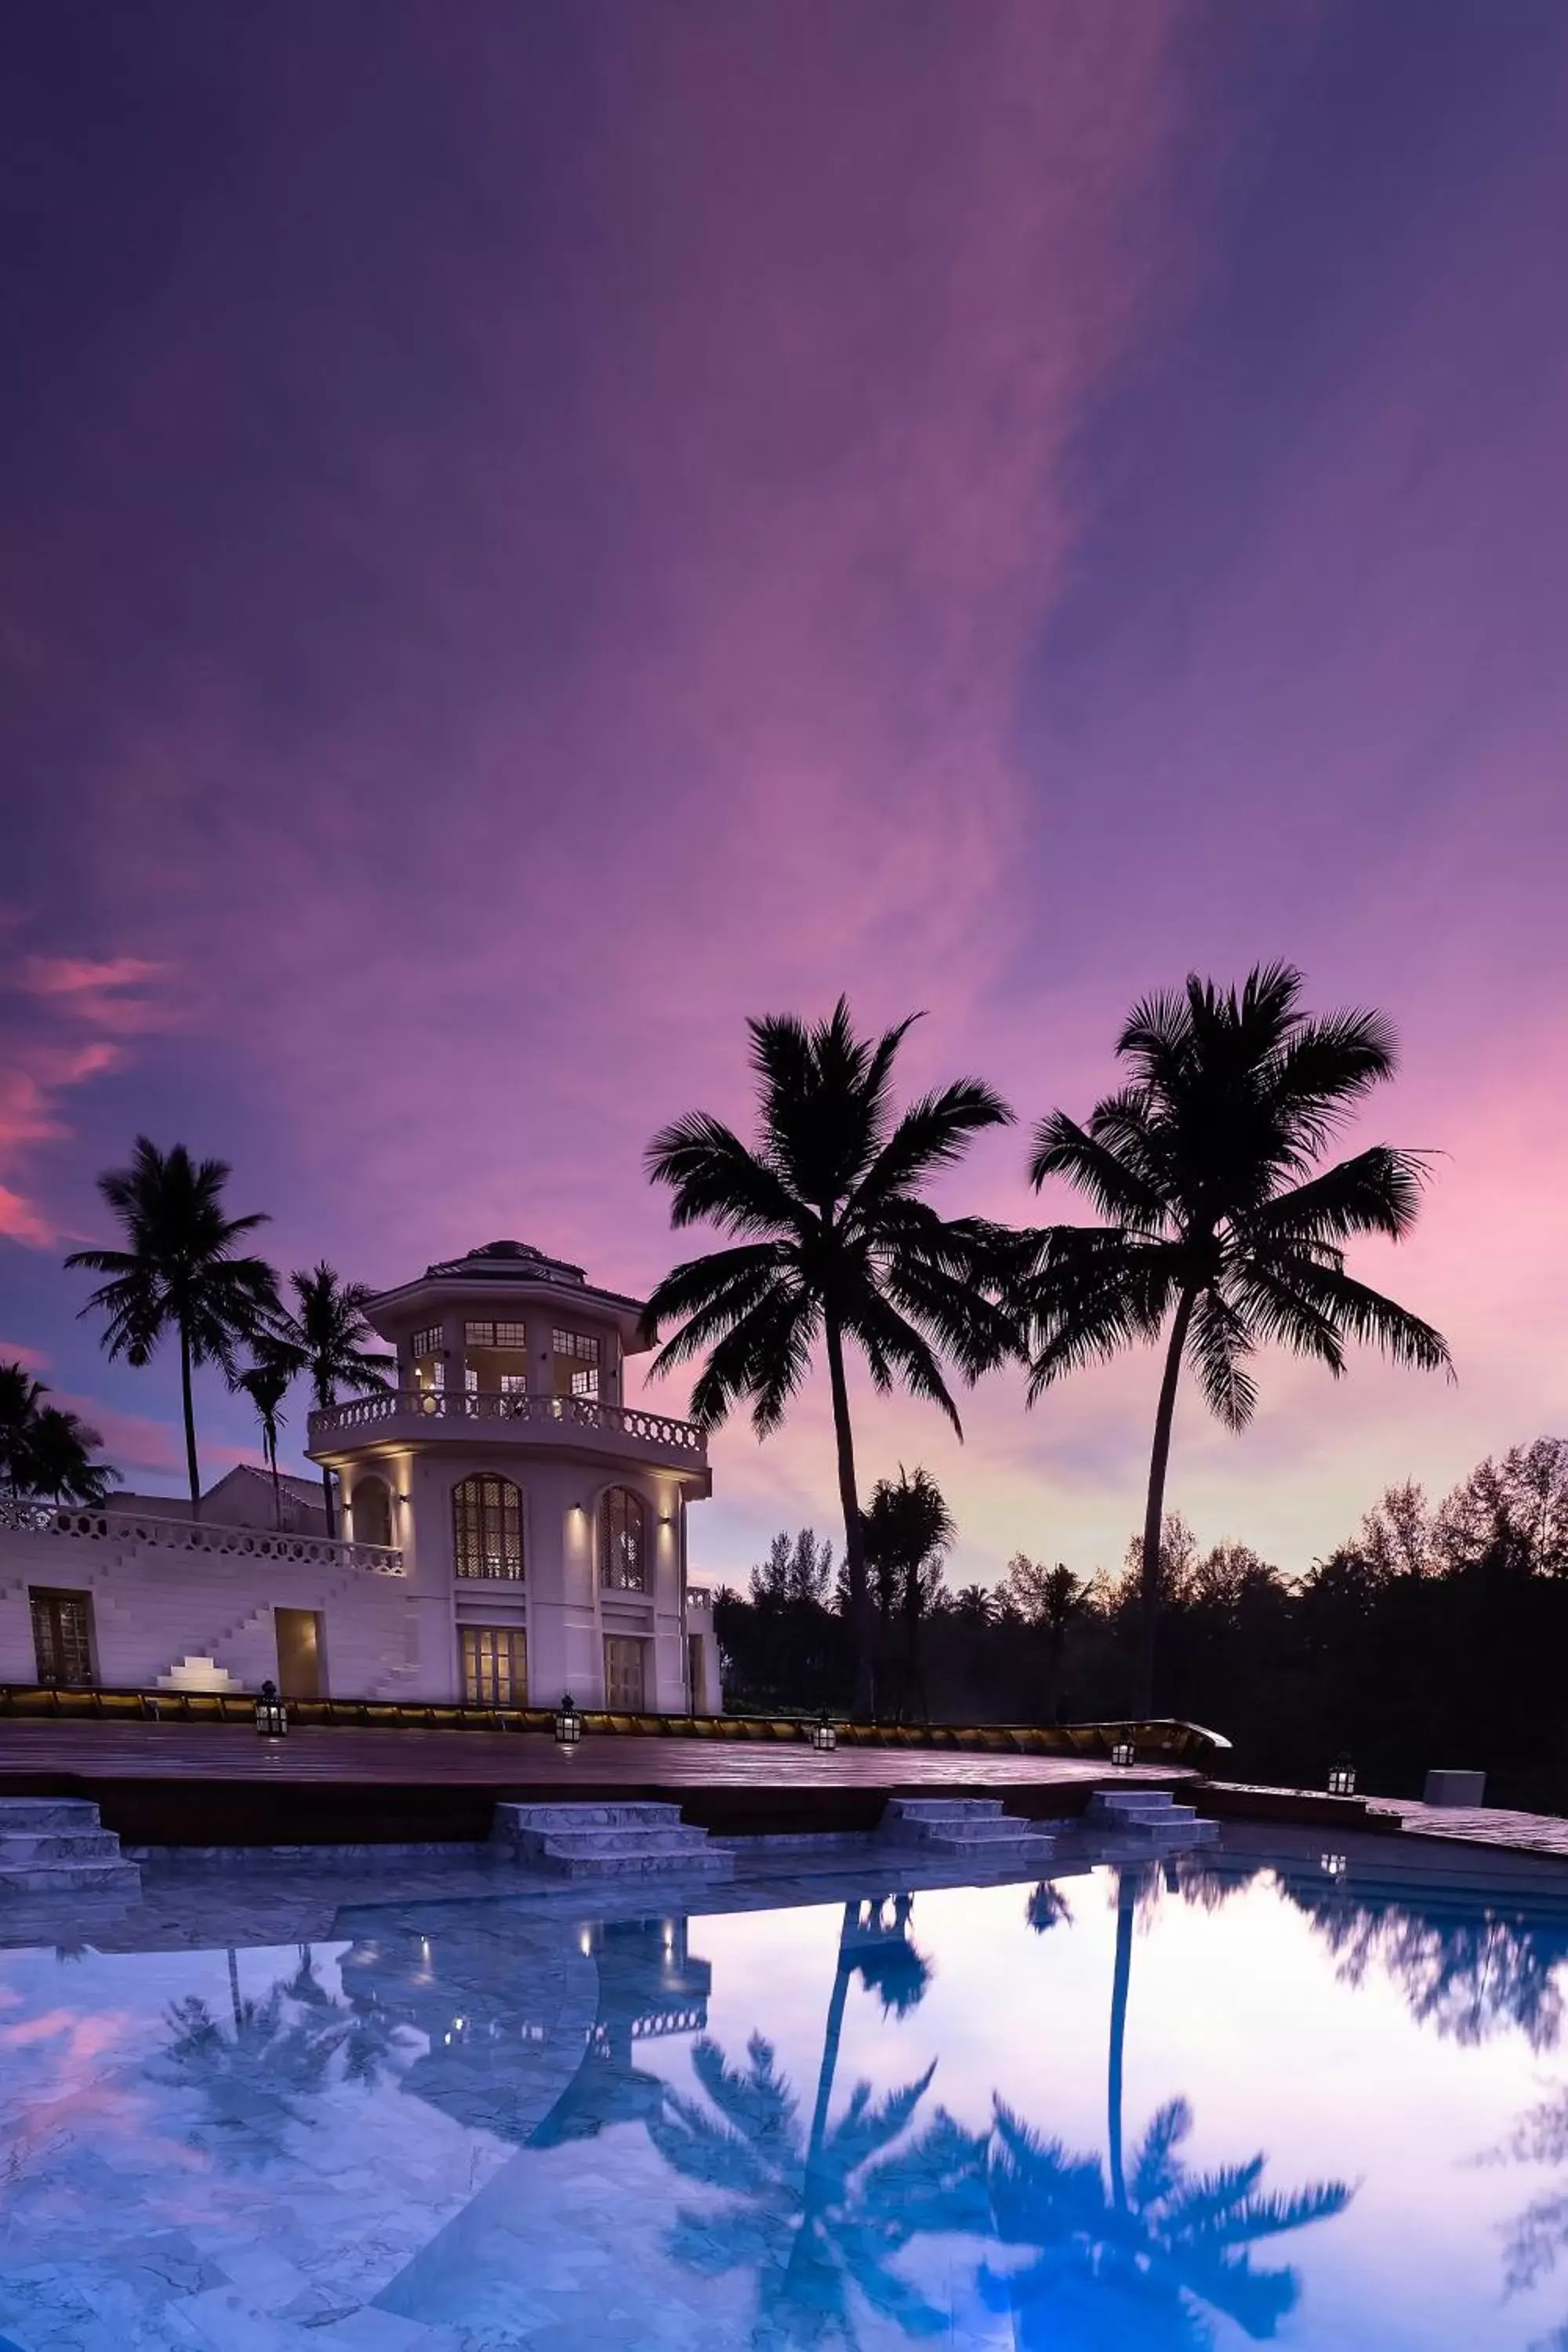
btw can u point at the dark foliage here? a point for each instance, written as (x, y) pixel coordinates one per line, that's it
(1430, 1636)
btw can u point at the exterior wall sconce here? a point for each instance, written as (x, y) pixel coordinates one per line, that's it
(271, 1714)
(1342, 1777)
(1124, 1748)
(823, 1734)
(568, 1723)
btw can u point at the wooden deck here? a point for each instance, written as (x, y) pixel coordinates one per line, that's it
(203, 1784)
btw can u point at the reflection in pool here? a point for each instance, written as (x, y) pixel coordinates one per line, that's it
(1243, 2096)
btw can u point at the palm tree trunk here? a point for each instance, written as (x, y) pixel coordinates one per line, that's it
(234, 1990)
(1154, 1512)
(861, 1627)
(1121, 1984)
(327, 1500)
(190, 1412)
(271, 1437)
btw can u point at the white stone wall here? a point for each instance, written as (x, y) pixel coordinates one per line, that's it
(153, 1605)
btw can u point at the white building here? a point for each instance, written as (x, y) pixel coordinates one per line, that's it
(511, 1529)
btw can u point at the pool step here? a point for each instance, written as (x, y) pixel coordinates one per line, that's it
(57, 1845)
(589, 1841)
(972, 1827)
(1150, 1816)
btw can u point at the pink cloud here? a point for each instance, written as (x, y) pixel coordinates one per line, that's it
(108, 992)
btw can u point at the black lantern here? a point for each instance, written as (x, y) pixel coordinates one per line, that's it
(271, 1714)
(568, 1723)
(1124, 1748)
(823, 1734)
(1342, 1777)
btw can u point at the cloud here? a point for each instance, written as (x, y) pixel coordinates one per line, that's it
(109, 993)
(47, 1059)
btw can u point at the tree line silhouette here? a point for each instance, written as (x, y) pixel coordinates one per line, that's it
(1429, 1631)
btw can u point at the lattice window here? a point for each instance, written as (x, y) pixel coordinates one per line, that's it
(486, 1528)
(495, 1666)
(511, 1335)
(623, 1540)
(427, 1342)
(62, 1638)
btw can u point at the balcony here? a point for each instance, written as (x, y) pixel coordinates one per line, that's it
(142, 1530)
(479, 1415)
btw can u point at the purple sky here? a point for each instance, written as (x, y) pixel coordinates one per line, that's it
(532, 534)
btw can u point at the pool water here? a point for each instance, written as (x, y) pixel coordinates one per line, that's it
(1254, 2094)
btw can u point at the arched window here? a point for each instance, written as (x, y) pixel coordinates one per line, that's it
(623, 1540)
(486, 1528)
(371, 1504)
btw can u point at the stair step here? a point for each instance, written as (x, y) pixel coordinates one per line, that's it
(511, 1819)
(977, 1835)
(71, 1878)
(704, 1862)
(18, 1848)
(1131, 1801)
(615, 1842)
(33, 1814)
(942, 1808)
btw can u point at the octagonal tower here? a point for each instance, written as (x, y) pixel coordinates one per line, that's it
(542, 1520)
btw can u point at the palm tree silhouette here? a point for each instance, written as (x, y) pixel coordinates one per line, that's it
(44, 1449)
(1221, 1224)
(266, 1383)
(324, 1337)
(178, 1272)
(833, 1241)
(906, 1534)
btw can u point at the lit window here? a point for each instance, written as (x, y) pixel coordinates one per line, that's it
(514, 1384)
(623, 1540)
(585, 1384)
(579, 1344)
(511, 1335)
(480, 1335)
(486, 1528)
(429, 1342)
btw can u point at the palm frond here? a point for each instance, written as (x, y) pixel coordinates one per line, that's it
(1217, 1342)
(932, 1134)
(1376, 1191)
(1118, 1191)
(712, 1174)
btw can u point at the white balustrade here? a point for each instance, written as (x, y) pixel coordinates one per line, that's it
(105, 1525)
(484, 1404)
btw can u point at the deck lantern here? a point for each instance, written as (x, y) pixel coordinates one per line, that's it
(1124, 1748)
(271, 1714)
(1342, 1777)
(568, 1722)
(823, 1734)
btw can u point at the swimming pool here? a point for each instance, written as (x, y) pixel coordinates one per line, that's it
(1265, 2091)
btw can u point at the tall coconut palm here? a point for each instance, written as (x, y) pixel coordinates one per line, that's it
(179, 1271)
(833, 1243)
(326, 1334)
(1223, 1229)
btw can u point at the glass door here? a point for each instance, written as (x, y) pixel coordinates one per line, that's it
(495, 1666)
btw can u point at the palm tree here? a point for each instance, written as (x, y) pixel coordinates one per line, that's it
(266, 1382)
(179, 1271)
(44, 1449)
(906, 1532)
(61, 1448)
(833, 1243)
(325, 1339)
(1223, 1229)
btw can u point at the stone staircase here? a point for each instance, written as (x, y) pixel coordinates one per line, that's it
(965, 1829)
(1147, 1817)
(56, 1845)
(588, 1841)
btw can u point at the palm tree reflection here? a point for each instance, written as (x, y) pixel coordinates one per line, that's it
(255, 2070)
(1128, 2259)
(818, 2211)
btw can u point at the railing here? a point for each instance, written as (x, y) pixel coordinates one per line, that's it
(105, 1525)
(485, 1404)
